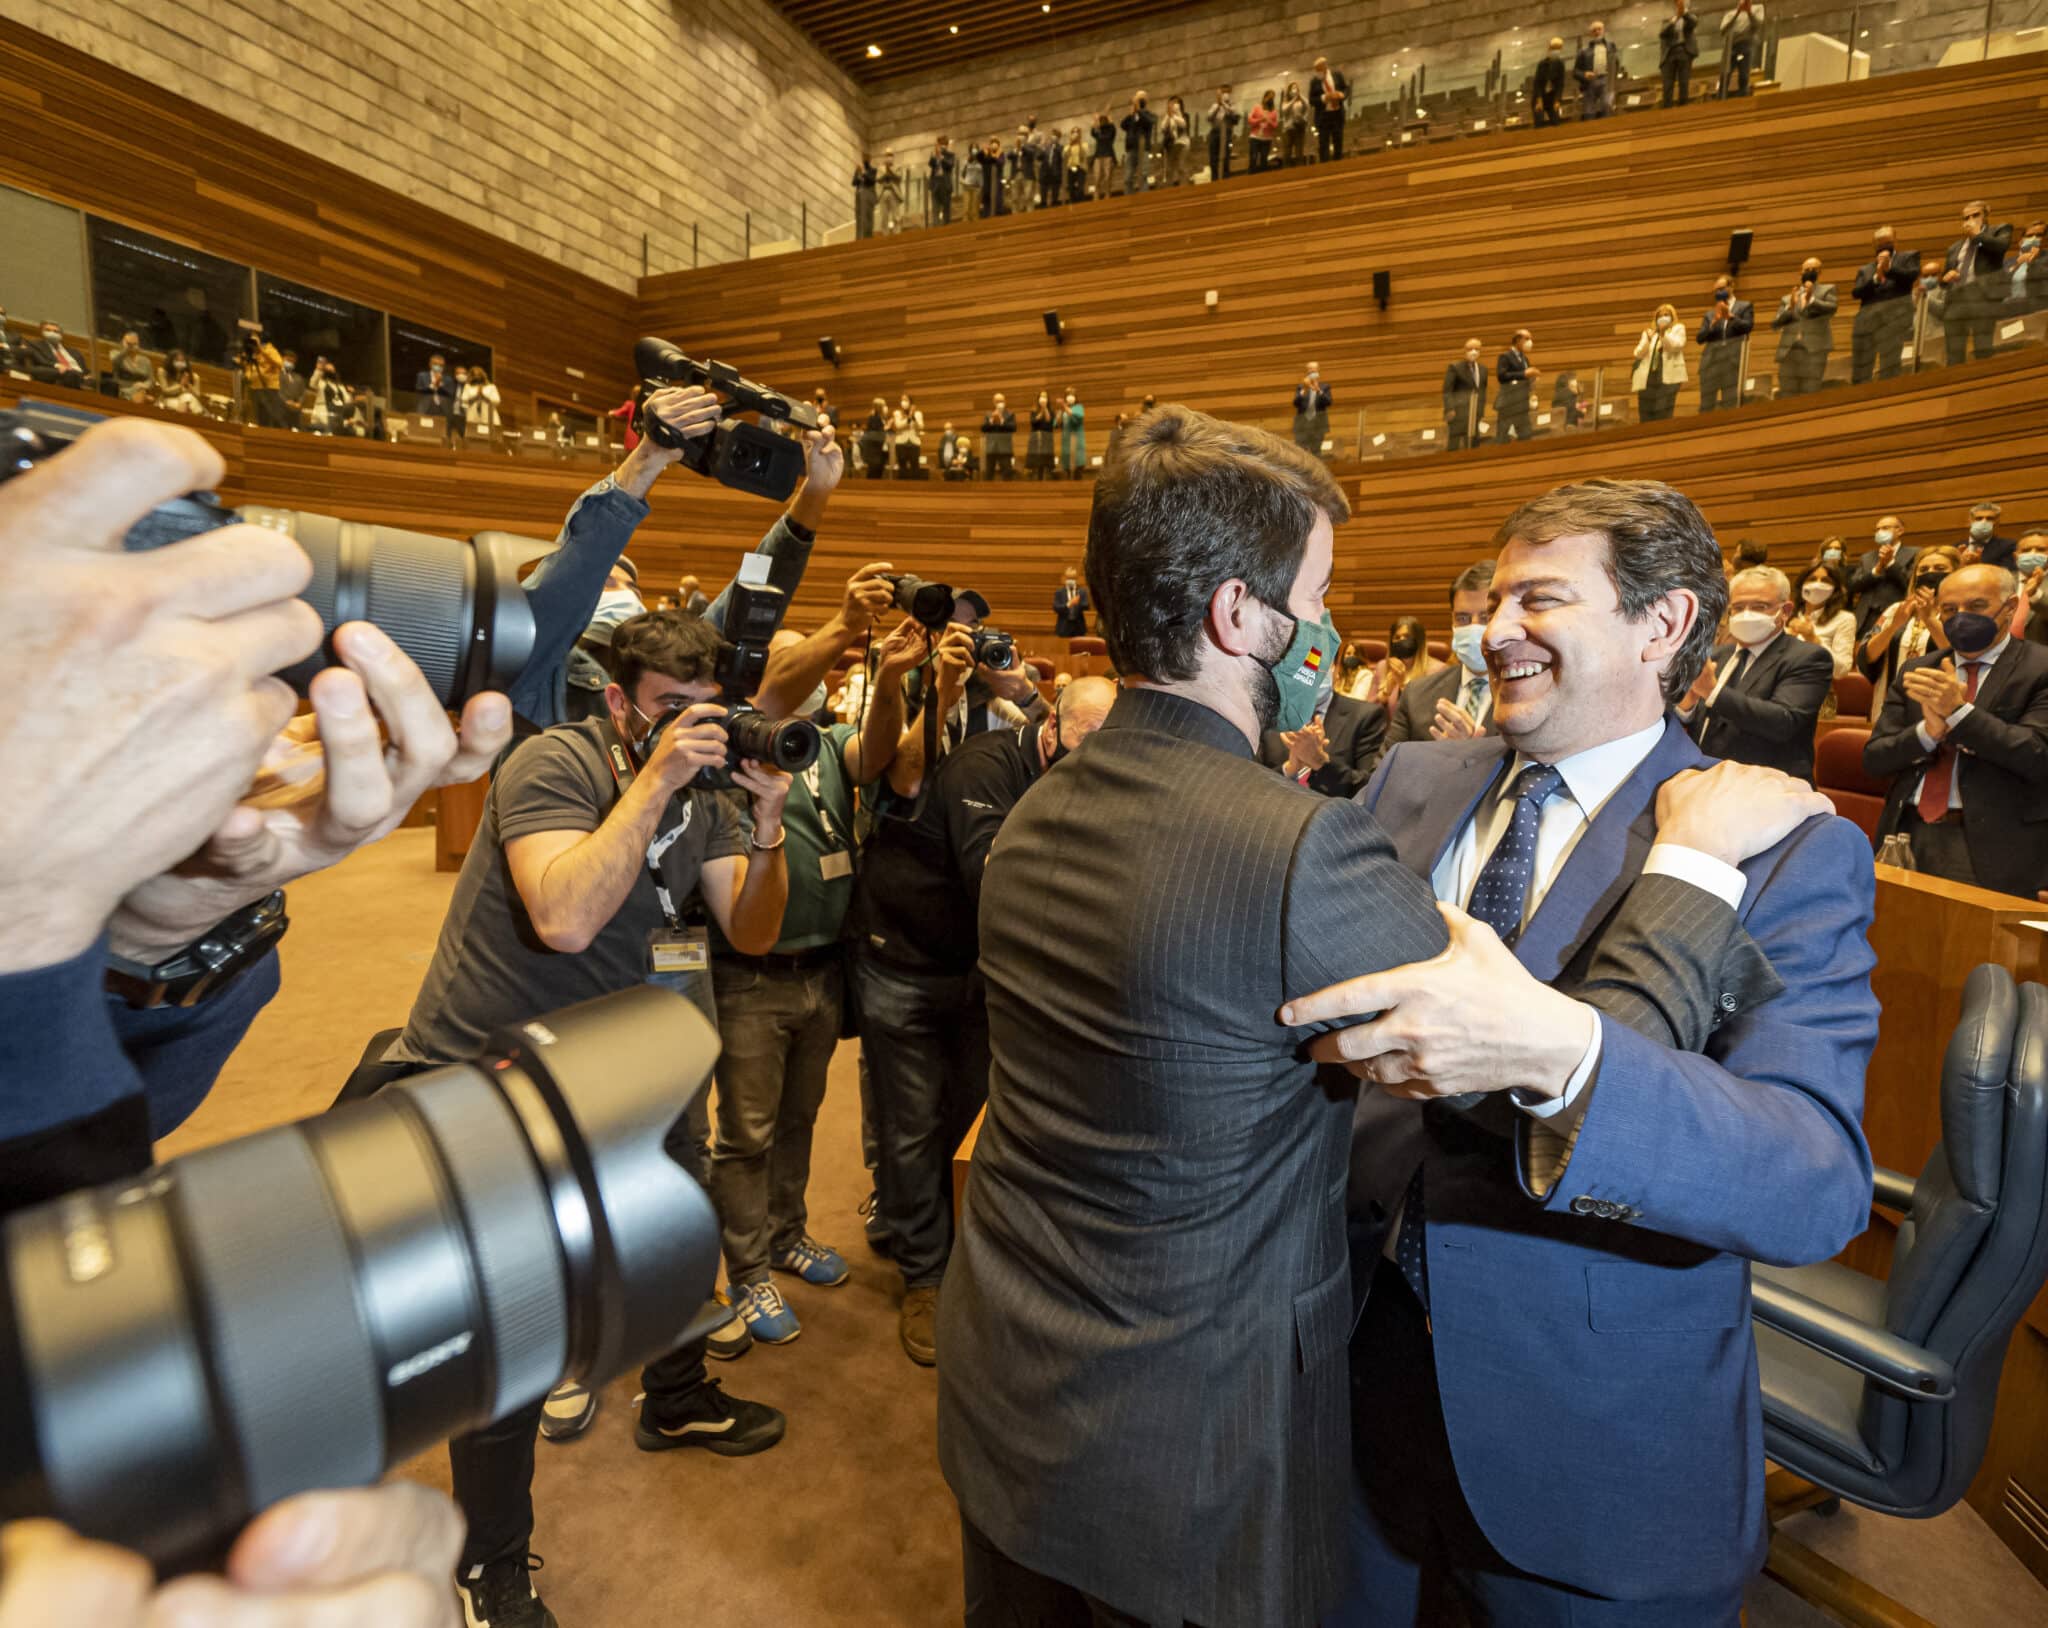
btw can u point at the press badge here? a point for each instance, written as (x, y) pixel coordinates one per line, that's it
(677, 954)
(835, 864)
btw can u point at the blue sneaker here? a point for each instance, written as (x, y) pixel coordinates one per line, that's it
(817, 1264)
(766, 1313)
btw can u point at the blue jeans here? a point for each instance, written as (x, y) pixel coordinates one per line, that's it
(926, 1042)
(778, 1027)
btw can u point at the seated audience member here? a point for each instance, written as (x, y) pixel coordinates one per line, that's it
(924, 1025)
(1333, 752)
(1806, 331)
(1723, 331)
(1824, 617)
(177, 387)
(1884, 575)
(1982, 545)
(1911, 628)
(1759, 698)
(51, 361)
(1964, 739)
(1464, 397)
(133, 371)
(1456, 701)
(1407, 659)
(1660, 365)
(1354, 672)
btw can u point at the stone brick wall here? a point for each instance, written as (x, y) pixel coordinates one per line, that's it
(1379, 44)
(516, 116)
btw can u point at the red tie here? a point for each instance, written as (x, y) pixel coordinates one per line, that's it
(1942, 771)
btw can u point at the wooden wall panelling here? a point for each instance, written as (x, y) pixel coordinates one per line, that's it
(1576, 233)
(115, 145)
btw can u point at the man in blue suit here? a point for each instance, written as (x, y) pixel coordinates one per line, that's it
(1555, 1386)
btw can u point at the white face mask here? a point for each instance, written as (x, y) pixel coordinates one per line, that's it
(1816, 593)
(615, 606)
(1663, 322)
(1751, 627)
(1883, 536)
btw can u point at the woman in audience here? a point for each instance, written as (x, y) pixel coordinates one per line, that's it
(1073, 437)
(1824, 617)
(1105, 153)
(1908, 629)
(478, 403)
(1354, 672)
(177, 387)
(1224, 119)
(327, 399)
(1660, 365)
(907, 431)
(1175, 136)
(1077, 166)
(1294, 121)
(1406, 660)
(1263, 125)
(1833, 551)
(1038, 451)
(874, 439)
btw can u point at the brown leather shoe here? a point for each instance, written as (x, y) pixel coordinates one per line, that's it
(918, 1325)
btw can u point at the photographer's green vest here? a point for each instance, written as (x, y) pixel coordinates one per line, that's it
(818, 821)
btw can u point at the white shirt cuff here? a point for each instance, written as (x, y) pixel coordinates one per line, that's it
(1961, 713)
(1551, 1107)
(1927, 742)
(1703, 871)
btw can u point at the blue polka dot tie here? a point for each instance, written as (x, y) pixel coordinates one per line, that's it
(1498, 899)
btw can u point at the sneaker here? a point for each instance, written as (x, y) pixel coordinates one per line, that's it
(500, 1594)
(767, 1314)
(568, 1410)
(872, 1224)
(732, 1337)
(710, 1419)
(819, 1265)
(917, 1325)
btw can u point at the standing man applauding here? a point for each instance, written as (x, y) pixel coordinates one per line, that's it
(1328, 93)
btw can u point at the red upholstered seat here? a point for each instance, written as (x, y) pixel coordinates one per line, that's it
(1852, 696)
(1838, 772)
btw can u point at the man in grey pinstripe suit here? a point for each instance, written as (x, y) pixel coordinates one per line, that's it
(1142, 1397)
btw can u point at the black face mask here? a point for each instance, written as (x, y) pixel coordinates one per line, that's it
(1404, 647)
(1809, 276)
(1929, 579)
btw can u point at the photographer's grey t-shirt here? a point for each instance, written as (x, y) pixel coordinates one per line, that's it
(490, 968)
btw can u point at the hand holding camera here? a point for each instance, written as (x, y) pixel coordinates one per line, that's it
(901, 651)
(952, 661)
(159, 703)
(693, 741)
(686, 411)
(767, 790)
(869, 592)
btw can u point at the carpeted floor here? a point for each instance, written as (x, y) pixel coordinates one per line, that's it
(846, 1524)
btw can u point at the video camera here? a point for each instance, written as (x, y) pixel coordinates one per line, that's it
(737, 454)
(311, 1305)
(930, 605)
(753, 613)
(456, 608)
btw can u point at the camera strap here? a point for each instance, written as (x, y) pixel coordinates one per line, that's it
(623, 762)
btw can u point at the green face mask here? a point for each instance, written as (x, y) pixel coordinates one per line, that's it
(1305, 671)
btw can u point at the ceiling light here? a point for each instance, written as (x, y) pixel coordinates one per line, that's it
(952, 28)
(1047, 7)
(874, 50)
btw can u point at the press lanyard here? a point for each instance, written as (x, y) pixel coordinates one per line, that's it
(620, 759)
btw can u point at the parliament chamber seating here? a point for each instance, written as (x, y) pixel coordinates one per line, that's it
(1838, 775)
(1853, 695)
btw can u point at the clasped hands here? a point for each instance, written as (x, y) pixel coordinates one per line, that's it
(1940, 694)
(1472, 1019)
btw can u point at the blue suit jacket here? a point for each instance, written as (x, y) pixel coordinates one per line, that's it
(1593, 1347)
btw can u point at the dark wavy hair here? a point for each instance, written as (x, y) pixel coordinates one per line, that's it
(1657, 541)
(668, 642)
(1185, 504)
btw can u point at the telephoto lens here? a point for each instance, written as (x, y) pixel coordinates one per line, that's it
(308, 1306)
(929, 604)
(789, 744)
(456, 608)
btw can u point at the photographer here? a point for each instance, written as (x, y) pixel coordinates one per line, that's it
(565, 588)
(983, 699)
(924, 1026)
(584, 880)
(142, 838)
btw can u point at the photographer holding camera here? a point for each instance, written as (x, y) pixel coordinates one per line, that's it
(597, 848)
(997, 691)
(924, 1026)
(131, 824)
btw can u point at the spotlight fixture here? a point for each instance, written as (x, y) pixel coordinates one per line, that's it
(1046, 7)
(1054, 327)
(828, 347)
(952, 28)
(874, 50)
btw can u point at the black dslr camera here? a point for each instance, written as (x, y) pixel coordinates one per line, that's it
(930, 605)
(744, 456)
(752, 615)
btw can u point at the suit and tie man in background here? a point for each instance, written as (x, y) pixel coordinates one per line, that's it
(1329, 96)
(1676, 49)
(1514, 373)
(1884, 315)
(1333, 752)
(1974, 276)
(1883, 576)
(1464, 397)
(1456, 701)
(1556, 1401)
(1981, 543)
(1758, 699)
(1144, 1399)
(51, 361)
(1723, 341)
(1964, 738)
(1596, 68)
(1806, 331)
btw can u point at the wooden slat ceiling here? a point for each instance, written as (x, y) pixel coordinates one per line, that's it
(918, 34)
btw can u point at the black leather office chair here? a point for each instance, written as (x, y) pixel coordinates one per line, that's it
(1882, 1392)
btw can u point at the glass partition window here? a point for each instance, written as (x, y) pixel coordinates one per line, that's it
(42, 276)
(314, 326)
(413, 349)
(171, 297)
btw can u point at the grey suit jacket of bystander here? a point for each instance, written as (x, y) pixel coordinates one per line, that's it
(1144, 1391)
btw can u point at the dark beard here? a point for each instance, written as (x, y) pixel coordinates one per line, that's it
(1265, 695)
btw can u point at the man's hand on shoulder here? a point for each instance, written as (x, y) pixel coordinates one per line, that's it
(1469, 1020)
(1734, 811)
